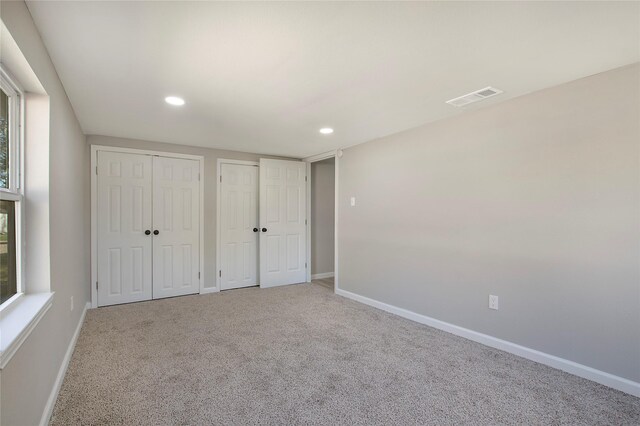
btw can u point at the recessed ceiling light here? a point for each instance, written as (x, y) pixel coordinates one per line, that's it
(174, 100)
(326, 130)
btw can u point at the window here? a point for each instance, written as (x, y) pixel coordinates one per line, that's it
(10, 188)
(4, 140)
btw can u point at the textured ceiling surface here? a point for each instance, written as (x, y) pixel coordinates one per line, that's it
(264, 77)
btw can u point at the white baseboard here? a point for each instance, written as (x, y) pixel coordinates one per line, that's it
(51, 402)
(208, 290)
(322, 275)
(607, 379)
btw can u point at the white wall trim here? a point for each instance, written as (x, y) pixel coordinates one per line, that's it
(320, 157)
(51, 402)
(94, 226)
(201, 273)
(94, 208)
(145, 152)
(308, 220)
(322, 275)
(607, 379)
(219, 164)
(336, 217)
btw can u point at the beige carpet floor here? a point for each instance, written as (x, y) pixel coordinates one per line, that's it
(301, 355)
(325, 282)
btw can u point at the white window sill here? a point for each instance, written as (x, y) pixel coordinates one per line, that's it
(18, 320)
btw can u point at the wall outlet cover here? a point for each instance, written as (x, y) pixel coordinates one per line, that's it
(493, 302)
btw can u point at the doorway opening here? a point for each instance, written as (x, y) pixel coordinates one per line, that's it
(322, 224)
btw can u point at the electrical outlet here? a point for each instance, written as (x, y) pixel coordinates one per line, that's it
(71, 308)
(353, 201)
(493, 302)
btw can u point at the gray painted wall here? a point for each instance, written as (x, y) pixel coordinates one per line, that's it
(27, 380)
(210, 172)
(536, 200)
(322, 215)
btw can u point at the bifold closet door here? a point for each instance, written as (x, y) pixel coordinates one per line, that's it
(123, 216)
(283, 233)
(176, 233)
(238, 226)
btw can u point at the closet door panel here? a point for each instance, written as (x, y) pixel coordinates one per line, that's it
(282, 222)
(238, 219)
(123, 216)
(176, 239)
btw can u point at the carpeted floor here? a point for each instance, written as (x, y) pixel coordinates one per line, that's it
(325, 282)
(301, 355)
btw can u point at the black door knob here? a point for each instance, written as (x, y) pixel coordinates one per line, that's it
(156, 232)
(147, 232)
(264, 229)
(255, 229)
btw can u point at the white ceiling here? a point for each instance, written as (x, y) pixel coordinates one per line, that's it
(264, 77)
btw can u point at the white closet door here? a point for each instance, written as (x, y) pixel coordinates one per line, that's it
(123, 216)
(176, 240)
(282, 222)
(238, 226)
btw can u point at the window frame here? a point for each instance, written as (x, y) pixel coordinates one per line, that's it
(14, 192)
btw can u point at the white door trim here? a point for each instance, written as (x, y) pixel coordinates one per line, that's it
(320, 157)
(219, 164)
(308, 221)
(314, 158)
(94, 208)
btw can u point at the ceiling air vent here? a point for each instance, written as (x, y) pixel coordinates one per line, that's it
(476, 96)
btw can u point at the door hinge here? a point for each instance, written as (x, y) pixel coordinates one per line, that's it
(220, 274)
(305, 221)
(96, 285)
(198, 275)
(305, 265)
(198, 177)
(96, 170)
(305, 178)
(220, 178)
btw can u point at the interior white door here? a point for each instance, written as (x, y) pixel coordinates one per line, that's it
(282, 221)
(176, 233)
(238, 226)
(123, 217)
